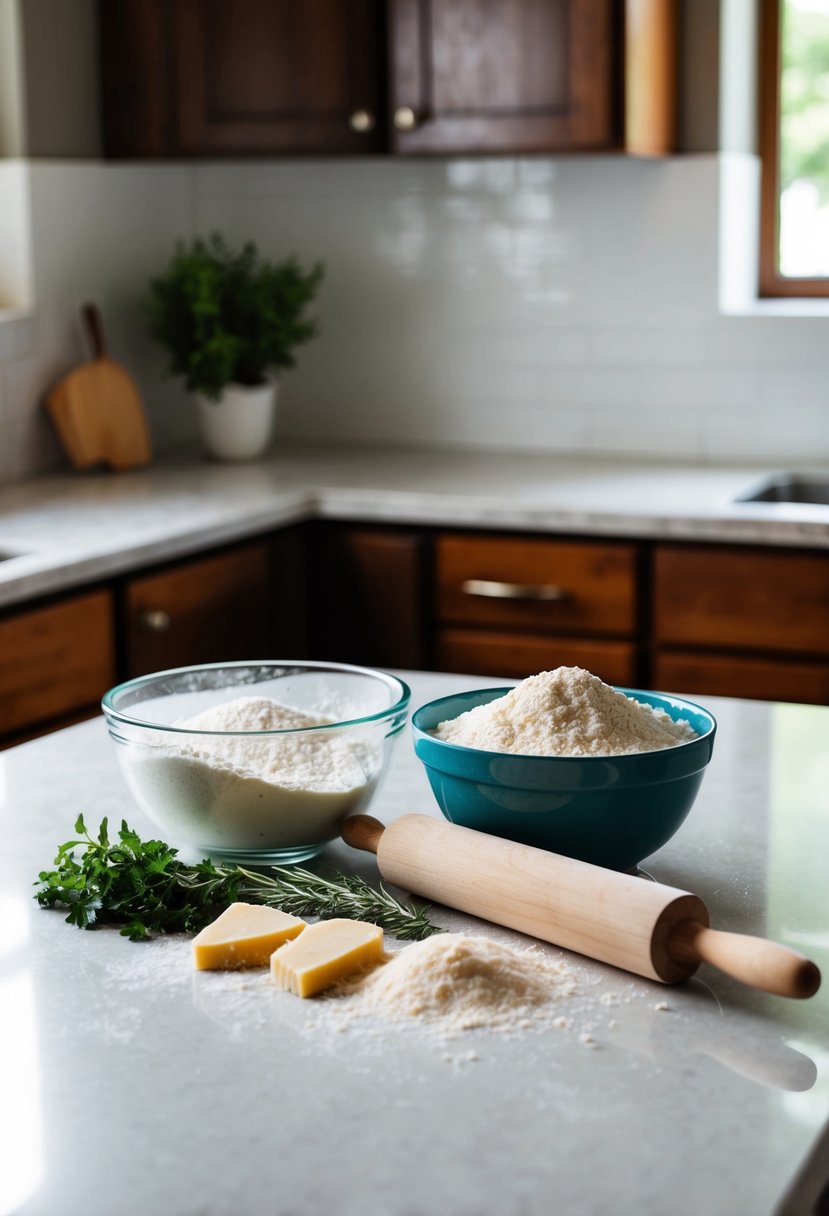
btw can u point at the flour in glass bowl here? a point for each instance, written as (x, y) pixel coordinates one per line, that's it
(565, 712)
(250, 789)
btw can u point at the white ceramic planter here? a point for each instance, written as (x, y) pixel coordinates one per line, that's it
(238, 426)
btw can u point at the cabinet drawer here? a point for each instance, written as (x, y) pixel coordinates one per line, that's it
(515, 656)
(757, 679)
(55, 660)
(741, 599)
(547, 586)
(211, 610)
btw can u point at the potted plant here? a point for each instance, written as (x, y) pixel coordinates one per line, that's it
(229, 322)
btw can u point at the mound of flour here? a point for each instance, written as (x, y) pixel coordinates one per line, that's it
(565, 712)
(254, 789)
(455, 982)
(318, 760)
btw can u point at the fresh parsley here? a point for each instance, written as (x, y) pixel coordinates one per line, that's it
(142, 886)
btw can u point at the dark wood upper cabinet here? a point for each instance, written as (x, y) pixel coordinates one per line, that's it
(502, 75)
(252, 77)
(268, 77)
(260, 76)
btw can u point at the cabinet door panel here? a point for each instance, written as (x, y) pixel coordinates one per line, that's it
(210, 610)
(503, 75)
(264, 76)
(368, 597)
(515, 656)
(56, 660)
(741, 599)
(756, 679)
(136, 77)
(596, 582)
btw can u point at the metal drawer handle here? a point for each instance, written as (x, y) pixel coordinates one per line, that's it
(155, 620)
(492, 590)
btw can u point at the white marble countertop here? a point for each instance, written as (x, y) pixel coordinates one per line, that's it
(130, 1084)
(70, 529)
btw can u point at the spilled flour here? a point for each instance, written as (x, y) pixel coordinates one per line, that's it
(454, 982)
(565, 712)
(454, 993)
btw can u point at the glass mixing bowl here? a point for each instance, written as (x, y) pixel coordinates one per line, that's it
(250, 795)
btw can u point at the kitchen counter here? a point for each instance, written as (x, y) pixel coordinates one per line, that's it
(67, 530)
(129, 1083)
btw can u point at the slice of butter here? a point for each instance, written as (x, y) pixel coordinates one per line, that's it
(245, 935)
(327, 952)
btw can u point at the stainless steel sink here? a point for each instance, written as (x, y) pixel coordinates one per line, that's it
(790, 487)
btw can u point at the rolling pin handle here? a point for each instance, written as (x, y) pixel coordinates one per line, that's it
(95, 329)
(752, 960)
(363, 832)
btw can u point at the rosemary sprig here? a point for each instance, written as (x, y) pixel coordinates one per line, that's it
(142, 886)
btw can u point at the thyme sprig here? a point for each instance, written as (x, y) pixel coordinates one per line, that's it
(142, 886)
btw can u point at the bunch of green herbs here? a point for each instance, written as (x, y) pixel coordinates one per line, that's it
(142, 886)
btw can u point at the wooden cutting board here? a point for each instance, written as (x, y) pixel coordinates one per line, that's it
(97, 409)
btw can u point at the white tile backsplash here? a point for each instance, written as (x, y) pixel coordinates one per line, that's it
(564, 305)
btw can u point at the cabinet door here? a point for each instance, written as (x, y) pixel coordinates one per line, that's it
(264, 76)
(136, 77)
(502, 75)
(210, 610)
(368, 596)
(56, 661)
(741, 599)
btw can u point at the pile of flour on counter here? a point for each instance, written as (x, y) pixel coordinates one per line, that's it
(454, 982)
(565, 712)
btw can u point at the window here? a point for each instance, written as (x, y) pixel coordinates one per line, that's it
(794, 146)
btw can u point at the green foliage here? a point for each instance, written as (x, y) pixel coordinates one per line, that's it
(804, 101)
(226, 317)
(142, 886)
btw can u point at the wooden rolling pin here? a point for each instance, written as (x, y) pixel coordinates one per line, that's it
(640, 926)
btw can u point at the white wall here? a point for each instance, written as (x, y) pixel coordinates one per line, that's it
(565, 305)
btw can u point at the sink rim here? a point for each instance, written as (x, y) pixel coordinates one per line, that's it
(788, 489)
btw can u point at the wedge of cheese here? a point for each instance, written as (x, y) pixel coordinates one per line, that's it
(327, 952)
(245, 935)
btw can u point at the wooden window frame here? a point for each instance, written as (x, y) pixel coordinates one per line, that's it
(771, 282)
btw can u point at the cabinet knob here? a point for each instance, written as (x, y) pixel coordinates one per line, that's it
(361, 121)
(405, 118)
(155, 620)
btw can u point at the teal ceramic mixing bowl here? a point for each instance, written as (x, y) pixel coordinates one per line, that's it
(612, 811)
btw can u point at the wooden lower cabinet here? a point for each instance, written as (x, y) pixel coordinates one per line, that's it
(56, 662)
(741, 676)
(209, 610)
(738, 598)
(720, 620)
(740, 621)
(512, 606)
(546, 586)
(246, 602)
(515, 656)
(367, 601)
